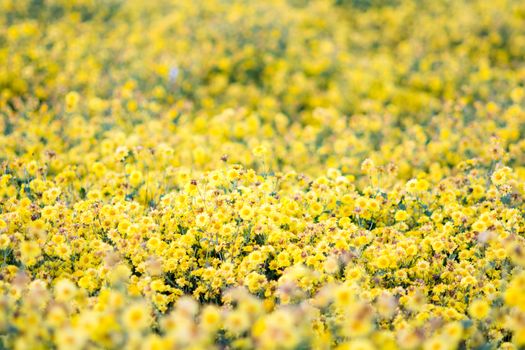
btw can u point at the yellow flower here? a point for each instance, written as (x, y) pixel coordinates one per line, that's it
(72, 99)
(331, 265)
(246, 212)
(255, 281)
(260, 151)
(202, 220)
(382, 262)
(30, 251)
(436, 343)
(358, 344)
(236, 322)
(136, 317)
(210, 318)
(401, 215)
(135, 178)
(4, 241)
(70, 338)
(479, 309)
(344, 296)
(368, 166)
(453, 331)
(65, 290)
(501, 176)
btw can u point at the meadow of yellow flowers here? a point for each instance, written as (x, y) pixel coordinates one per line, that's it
(281, 174)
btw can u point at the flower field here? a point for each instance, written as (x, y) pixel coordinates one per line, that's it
(281, 174)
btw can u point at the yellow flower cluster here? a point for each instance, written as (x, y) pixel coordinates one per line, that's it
(282, 174)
